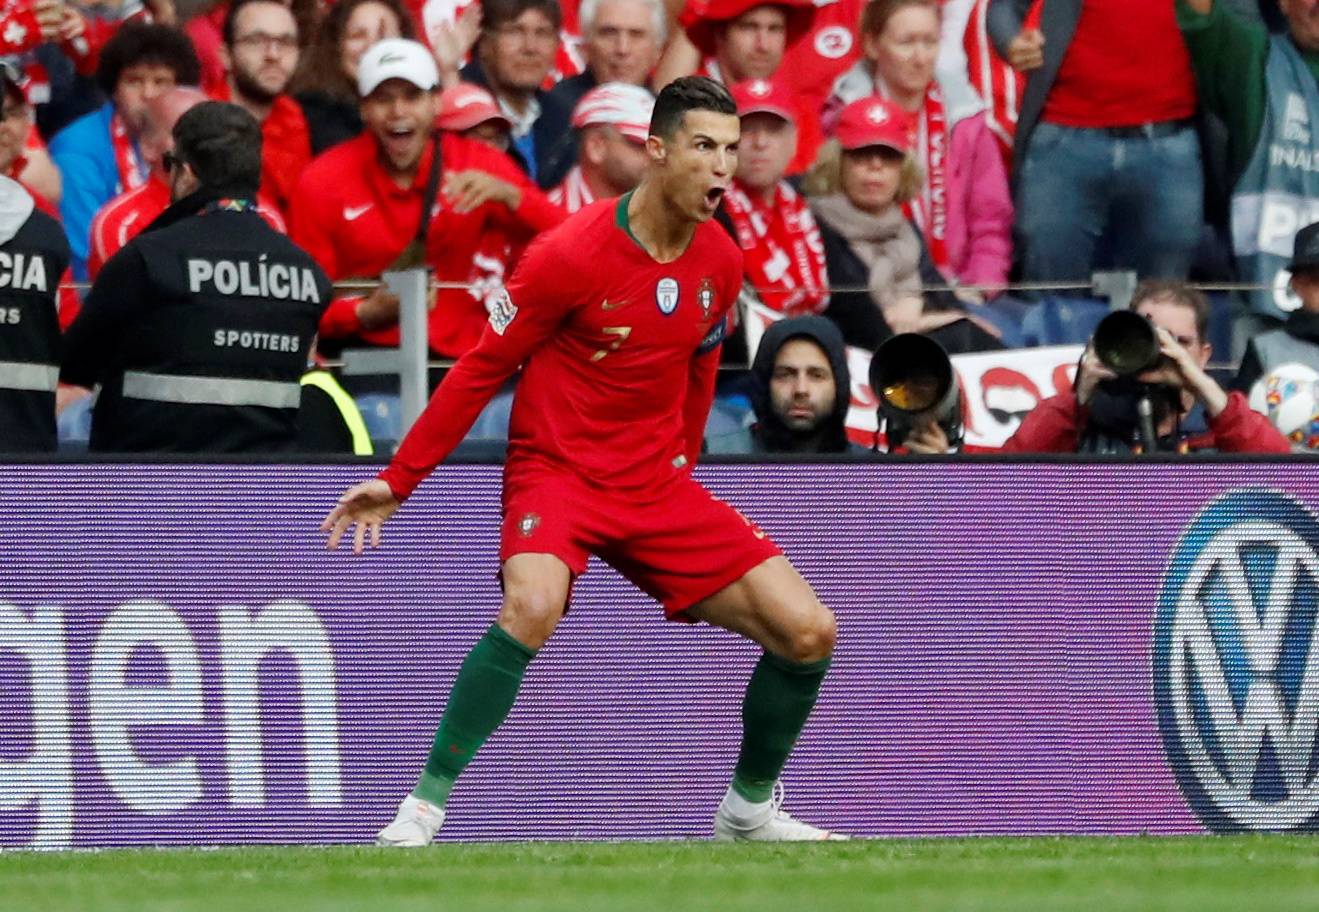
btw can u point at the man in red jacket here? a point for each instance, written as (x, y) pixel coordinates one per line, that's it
(359, 205)
(1093, 418)
(260, 53)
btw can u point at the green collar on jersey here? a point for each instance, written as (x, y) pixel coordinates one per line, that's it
(620, 218)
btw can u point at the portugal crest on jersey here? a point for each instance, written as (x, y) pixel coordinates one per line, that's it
(705, 295)
(666, 295)
(528, 524)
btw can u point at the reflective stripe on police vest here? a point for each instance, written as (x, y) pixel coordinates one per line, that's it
(21, 375)
(187, 390)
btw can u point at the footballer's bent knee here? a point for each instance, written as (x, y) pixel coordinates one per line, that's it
(530, 613)
(813, 638)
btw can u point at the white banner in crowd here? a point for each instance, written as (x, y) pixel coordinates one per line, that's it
(998, 387)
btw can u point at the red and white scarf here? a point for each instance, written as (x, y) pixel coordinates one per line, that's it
(929, 210)
(573, 194)
(132, 170)
(781, 247)
(997, 83)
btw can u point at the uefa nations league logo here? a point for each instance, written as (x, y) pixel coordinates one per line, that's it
(1236, 675)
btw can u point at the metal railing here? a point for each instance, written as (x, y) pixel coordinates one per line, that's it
(411, 360)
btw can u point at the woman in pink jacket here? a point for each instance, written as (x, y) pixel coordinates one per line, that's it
(964, 211)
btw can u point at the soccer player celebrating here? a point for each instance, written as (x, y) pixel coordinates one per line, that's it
(616, 317)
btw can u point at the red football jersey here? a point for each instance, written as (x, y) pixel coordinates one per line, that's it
(620, 356)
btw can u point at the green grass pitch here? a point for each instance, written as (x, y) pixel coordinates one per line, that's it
(1194, 874)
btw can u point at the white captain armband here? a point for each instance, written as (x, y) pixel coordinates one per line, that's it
(502, 310)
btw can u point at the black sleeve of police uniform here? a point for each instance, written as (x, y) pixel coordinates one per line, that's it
(119, 297)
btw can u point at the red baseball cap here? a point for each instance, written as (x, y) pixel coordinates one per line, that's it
(763, 96)
(701, 18)
(464, 105)
(874, 121)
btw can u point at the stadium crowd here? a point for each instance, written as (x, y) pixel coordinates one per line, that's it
(955, 168)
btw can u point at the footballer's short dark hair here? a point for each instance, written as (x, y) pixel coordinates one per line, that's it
(688, 93)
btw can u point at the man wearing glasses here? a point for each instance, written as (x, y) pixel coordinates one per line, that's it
(260, 53)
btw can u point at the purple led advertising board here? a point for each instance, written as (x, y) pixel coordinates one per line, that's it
(1024, 648)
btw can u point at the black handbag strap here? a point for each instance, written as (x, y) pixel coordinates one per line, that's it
(414, 254)
(432, 191)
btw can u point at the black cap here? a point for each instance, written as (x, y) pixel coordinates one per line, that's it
(1305, 255)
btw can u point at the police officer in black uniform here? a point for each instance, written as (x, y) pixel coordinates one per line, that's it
(198, 330)
(33, 257)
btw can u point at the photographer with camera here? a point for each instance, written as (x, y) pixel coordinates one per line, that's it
(1141, 387)
(919, 396)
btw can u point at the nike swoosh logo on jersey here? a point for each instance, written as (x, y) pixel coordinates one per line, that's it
(352, 214)
(607, 304)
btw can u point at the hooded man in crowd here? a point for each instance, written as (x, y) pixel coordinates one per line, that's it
(801, 390)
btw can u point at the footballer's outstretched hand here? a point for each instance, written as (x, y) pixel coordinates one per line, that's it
(368, 505)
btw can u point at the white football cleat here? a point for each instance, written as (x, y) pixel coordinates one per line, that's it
(772, 824)
(414, 826)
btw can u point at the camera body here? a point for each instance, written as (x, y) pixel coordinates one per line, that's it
(1126, 343)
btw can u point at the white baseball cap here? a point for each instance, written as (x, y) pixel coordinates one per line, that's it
(624, 106)
(396, 58)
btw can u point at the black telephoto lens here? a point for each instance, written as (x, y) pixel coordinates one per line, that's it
(1126, 343)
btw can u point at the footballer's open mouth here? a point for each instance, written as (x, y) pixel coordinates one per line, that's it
(713, 197)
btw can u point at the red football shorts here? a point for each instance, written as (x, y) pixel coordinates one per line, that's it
(680, 545)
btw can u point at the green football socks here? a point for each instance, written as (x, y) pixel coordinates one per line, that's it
(778, 700)
(482, 695)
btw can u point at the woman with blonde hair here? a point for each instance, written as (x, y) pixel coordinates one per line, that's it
(857, 188)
